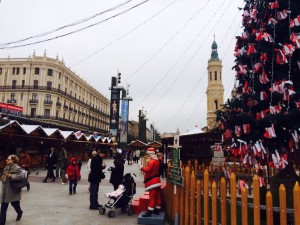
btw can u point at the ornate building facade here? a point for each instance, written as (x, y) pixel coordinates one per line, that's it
(50, 92)
(215, 89)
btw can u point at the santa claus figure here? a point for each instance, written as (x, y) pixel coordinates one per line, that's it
(152, 182)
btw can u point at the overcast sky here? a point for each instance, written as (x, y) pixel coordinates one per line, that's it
(161, 47)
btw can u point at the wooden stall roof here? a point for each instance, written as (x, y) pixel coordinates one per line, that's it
(137, 143)
(155, 144)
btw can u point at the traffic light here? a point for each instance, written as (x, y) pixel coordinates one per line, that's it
(119, 78)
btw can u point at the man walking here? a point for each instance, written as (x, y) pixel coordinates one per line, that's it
(95, 177)
(61, 158)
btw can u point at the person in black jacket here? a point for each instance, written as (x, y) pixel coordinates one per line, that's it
(117, 172)
(51, 163)
(95, 177)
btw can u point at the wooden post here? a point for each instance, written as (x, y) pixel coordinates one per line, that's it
(192, 199)
(233, 199)
(244, 206)
(181, 209)
(199, 202)
(269, 208)
(223, 201)
(256, 200)
(296, 193)
(206, 197)
(187, 177)
(214, 203)
(282, 205)
(196, 167)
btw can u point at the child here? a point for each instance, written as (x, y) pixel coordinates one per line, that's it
(115, 193)
(73, 175)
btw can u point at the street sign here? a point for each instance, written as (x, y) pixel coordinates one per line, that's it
(178, 180)
(175, 171)
(176, 157)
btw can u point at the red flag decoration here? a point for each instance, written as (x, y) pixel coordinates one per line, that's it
(295, 22)
(274, 5)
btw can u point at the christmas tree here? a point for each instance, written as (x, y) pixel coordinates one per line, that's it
(260, 124)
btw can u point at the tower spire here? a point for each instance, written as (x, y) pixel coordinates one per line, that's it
(214, 50)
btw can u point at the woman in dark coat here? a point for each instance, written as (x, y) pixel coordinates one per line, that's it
(117, 172)
(8, 195)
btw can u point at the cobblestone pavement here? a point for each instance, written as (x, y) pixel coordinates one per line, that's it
(50, 203)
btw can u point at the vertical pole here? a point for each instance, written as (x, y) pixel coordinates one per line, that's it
(233, 199)
(282, 205)
(256, 200)
(296, 193)
(269, 208)
(199, 202)
(206, 197)
(192, 199)
(214, 203)
(244, 206)
(187, 177)
(223, 201)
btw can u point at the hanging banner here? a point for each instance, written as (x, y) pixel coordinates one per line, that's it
(124, 121)
(114, 112)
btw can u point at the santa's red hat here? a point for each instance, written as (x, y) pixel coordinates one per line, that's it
(151, 151)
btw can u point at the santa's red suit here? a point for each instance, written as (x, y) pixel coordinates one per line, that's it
(152, 182)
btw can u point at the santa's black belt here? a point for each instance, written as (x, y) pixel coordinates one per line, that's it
(150, 178)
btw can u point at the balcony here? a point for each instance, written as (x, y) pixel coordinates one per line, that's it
(12, 101)
(58, 104)
(33, 101)
(66, 107)
(75, 111)
(48, 102)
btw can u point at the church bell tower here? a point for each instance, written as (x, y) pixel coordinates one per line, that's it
(215, 89)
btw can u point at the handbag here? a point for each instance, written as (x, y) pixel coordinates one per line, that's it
(17, 185)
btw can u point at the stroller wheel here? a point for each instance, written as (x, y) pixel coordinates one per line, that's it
(123, 210)
(102, 211)
(111, 214)
(130, 212)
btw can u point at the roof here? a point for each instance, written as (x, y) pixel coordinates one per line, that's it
(194, 131)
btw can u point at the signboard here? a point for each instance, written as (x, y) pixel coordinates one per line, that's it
(175, 157)
(124, 121)
(175, 175)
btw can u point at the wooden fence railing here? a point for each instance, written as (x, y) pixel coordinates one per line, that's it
(207, 199)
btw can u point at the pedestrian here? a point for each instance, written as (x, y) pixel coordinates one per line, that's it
(73, 175)
(129, 157)
(25, 163)
(137, 155)
(61, 157)
(79, 163)
(117, 172)
(51, 162)
(95, 177)
(152, 183)
(8, 195)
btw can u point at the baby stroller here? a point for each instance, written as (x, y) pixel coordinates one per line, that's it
(124, 200)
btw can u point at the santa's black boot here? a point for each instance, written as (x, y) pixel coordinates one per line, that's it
(156, 211)
(148, 213)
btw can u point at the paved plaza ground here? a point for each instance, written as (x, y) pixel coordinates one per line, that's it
(50, 203)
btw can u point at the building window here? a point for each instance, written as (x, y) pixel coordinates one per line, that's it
(13, 96)
(14, 84)
(59, 87)
(36, 70)
(210, 76)
(48, 98)
(21, 96)
(24, 70)
(49, 85)
(216, 77)
(35, 84)
(0, 70)
(50, 72)
(33, 112)
(23, 83)
(13, 71)
(59, 75)
(66, 80)
(47, 113)
(34, 96)
(216, 104)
